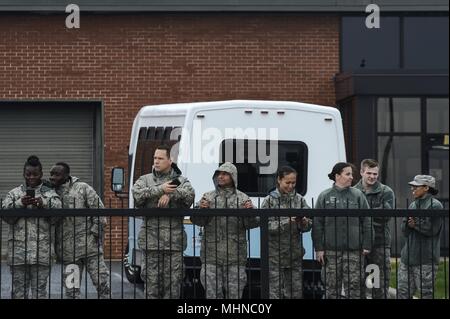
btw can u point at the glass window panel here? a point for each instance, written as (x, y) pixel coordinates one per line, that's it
(149, 139)
(438, 160)
(400, 161)
(426, 42)
(402, 116)
(370, 48)
(383, 114)
(244, 154)
(437, 115)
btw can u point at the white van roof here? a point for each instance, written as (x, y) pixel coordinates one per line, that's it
(184, 108)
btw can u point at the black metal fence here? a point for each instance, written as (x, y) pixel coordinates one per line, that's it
(60, 253)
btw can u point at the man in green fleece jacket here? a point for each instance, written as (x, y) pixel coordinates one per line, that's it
(342, 242)
(420, 254)
(379, 196)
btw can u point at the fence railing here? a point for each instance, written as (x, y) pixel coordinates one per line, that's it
(224, 253)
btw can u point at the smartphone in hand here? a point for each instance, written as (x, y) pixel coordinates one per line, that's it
(31, 193)
(175, 182)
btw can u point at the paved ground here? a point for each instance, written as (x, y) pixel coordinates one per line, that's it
(121, 288)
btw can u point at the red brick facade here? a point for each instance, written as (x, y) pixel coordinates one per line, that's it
(128, 61)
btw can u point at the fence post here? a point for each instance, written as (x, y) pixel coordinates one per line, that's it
(264, 240)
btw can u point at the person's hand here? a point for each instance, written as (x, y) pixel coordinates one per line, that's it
(411, 222)
(38, 202)
(248, 204)
(168, 188)
(302, 221)
(204, 203)
(163, 201)
(320, 257)
(27, 200)
(35, 201)
(365, 252)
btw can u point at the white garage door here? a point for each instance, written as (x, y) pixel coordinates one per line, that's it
(51, 132)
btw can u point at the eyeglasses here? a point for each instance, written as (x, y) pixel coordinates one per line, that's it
(417, 186)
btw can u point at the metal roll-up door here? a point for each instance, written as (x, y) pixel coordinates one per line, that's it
(51, 132)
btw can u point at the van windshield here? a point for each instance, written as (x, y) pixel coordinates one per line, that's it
(253, 175)
(149, 139)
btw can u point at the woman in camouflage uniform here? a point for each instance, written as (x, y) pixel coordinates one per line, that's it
(420, 254)
(30, 243)
(285, 238)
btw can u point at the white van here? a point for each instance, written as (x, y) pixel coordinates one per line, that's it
(257, 136)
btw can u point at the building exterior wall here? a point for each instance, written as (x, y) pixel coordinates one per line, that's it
(130, 60)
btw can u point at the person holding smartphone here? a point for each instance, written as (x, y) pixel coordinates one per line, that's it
(29, 243)
(162, 239)
(285, 237)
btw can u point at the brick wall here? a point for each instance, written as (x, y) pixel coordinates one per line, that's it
(128, 61)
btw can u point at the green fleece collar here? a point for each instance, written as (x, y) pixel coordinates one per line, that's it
(375, 189)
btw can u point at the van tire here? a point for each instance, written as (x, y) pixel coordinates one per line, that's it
(133, 273)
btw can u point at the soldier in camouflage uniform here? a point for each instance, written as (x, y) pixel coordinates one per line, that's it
(224, 240)
(420, 256)
(163, 239)
(285, 238)
(342, 242)
(379, 196)
(79, 239)
(30, 239)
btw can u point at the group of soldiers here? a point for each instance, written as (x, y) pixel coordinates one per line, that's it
(77, 240)
(343, 245)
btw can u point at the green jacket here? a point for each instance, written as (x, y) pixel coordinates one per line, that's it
(162, 233)
(380, 197)
(342, 233)
(422, 244)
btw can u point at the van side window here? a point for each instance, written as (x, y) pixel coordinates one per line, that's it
(149, 139)
(253, 157)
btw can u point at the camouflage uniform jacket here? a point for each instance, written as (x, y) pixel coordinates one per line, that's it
(342, 233)
(162, 233)
(30, 240)
(422, 244)
(78, 237)
(224, 240)
(285, 237)
(380, 197)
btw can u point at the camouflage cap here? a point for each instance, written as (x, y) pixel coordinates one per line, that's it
(423, 180)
